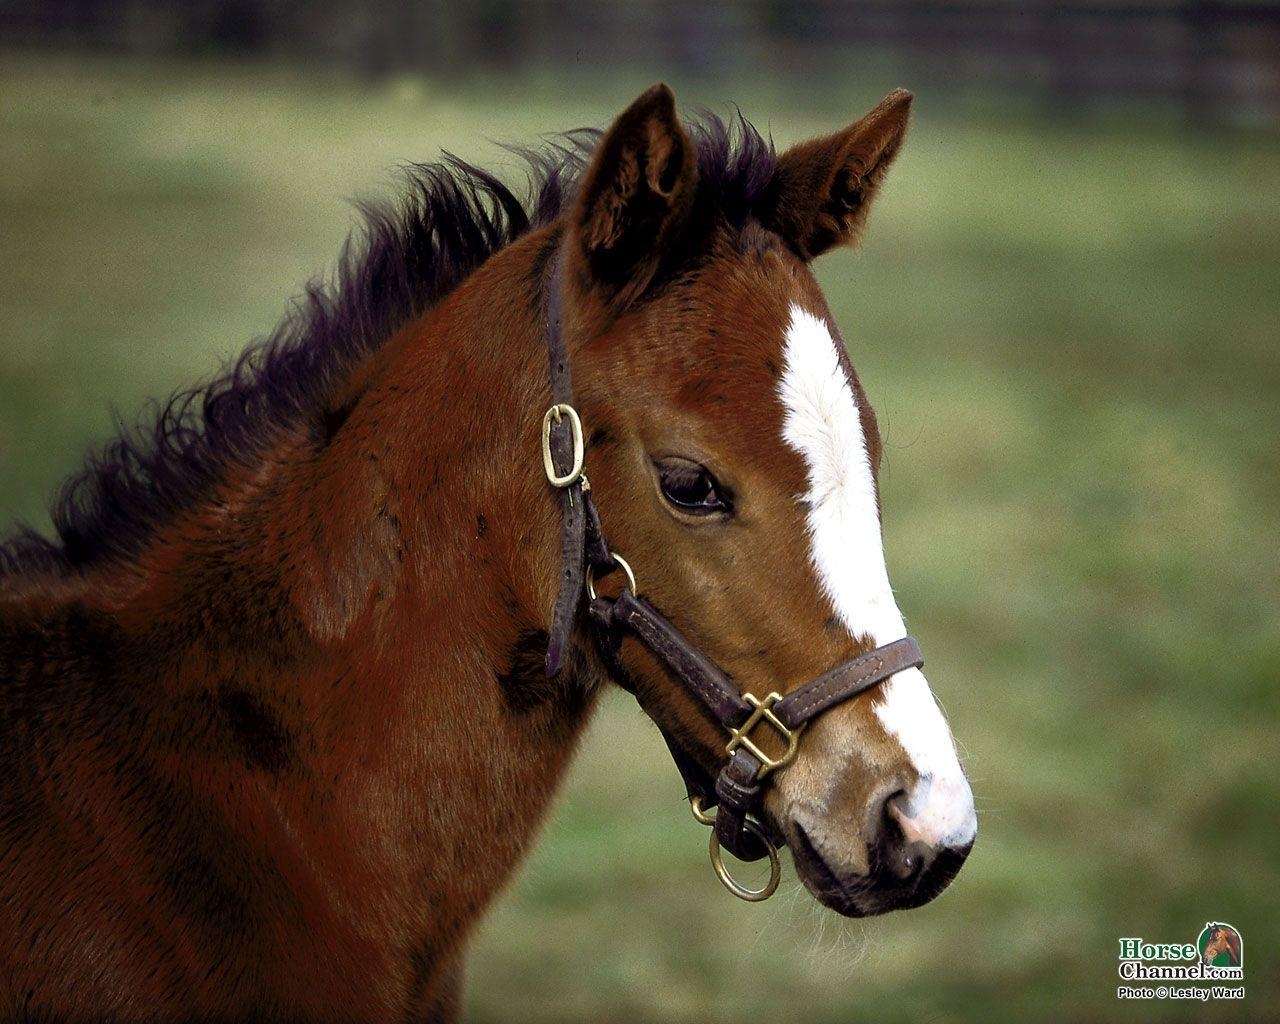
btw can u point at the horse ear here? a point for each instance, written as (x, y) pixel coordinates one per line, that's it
(823, 188)
(636, 195)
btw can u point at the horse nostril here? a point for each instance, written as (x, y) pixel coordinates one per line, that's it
(905, 858)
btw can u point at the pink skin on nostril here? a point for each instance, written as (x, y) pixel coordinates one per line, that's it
(934, 814)
(913, 818)
(913, 831)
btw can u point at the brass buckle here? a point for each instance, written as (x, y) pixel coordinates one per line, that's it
(764, 712)
(556, 412)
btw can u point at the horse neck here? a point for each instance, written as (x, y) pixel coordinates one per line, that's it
(340, 653)
(455, 556)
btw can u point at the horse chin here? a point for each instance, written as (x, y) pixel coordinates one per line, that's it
(864, 898)
(877, 892)
(847, 901)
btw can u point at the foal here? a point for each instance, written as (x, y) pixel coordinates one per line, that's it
(275, 724)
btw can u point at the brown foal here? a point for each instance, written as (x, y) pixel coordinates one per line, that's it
(275, 724)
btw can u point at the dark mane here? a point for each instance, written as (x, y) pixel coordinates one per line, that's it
(408, 256)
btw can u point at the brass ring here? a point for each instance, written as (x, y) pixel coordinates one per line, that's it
(699, 814)
(736, 887)
(622, 564)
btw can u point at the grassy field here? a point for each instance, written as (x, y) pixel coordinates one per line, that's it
(1071, 336)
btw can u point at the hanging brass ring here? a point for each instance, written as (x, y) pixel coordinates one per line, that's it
(732, 884)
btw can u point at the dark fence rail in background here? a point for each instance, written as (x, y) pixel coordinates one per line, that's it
(1214, 61)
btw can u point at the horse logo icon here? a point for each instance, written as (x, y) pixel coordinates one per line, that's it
(1220, 945)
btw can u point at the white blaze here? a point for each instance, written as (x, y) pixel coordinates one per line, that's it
(823, 426)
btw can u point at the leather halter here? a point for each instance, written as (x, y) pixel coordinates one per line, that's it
(738, 789)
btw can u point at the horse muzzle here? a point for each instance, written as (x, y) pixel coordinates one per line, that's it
(901, 868)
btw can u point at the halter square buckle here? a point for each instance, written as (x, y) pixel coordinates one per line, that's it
(763, 711)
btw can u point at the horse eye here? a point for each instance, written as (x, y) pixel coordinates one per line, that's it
(690, 487)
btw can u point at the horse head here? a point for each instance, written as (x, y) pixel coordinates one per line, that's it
(1222, 939)
(735, 457)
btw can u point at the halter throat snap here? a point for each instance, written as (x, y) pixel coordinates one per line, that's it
(737, 790)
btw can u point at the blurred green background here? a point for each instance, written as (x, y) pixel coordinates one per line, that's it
(1071, 331)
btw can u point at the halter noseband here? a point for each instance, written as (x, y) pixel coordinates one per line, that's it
(738, 790)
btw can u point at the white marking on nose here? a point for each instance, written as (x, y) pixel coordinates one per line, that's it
(822, 424)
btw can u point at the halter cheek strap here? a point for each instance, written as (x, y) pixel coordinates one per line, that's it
(738, 788)
(563, 452)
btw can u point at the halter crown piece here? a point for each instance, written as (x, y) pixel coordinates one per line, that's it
(738, 790)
